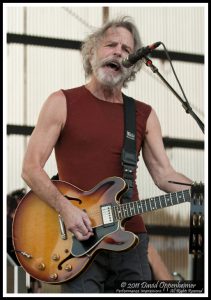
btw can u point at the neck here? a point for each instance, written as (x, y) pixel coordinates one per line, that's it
(105, 93)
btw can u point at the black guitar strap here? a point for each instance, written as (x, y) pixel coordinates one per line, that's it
(129, 158)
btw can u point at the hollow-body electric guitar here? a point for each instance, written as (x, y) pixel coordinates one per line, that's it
(50, 253)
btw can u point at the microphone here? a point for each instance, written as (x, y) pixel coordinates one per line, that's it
(139, 54)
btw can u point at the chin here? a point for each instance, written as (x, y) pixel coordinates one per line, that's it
(109, 80)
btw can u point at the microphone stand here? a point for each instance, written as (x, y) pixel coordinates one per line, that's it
(185, 104)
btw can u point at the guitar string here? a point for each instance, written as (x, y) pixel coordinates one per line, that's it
(150, 200)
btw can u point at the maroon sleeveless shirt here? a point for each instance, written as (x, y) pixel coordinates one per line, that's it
(90, 145)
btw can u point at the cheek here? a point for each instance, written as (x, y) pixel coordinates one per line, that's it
(104, 52)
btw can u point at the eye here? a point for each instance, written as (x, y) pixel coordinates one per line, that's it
(126, 50)
(111, 45)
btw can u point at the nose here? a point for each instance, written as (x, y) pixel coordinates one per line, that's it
(118, 50)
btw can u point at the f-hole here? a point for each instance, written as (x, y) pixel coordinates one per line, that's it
(74, 199)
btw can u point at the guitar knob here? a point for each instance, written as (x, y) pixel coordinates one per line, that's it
(194, 239)
(199, 220)
(200, 240)
(55, 257)
(194, 219)
(41, 266)
(68, 268)
(54, 276)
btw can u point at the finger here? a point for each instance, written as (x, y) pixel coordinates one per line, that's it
(82, 228)
(82, 237)
(88, 223)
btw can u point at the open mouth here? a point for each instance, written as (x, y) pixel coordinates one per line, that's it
(113, 65)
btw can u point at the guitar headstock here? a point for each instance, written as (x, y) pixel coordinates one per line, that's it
(196, 244)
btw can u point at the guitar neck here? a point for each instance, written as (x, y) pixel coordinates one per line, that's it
(133, 208)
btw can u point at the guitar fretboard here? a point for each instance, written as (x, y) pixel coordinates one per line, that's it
(133, 208)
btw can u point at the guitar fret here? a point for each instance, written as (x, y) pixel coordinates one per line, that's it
(157, 201)
(165, 197)
(167, 200)
(122, 210)
(131, 212)
(114, 213)
(146, 204)
(179, 197)
(175, 199)
(171, 199)
(162, 200)
(118, 213)
(186, 194)
(138, 204)
(126, 209)
(136, 207)
(152, 204)
(143, 206)
(183, 192)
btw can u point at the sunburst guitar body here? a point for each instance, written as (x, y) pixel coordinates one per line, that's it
(50, 253)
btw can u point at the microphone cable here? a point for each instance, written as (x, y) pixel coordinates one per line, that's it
(167, 54)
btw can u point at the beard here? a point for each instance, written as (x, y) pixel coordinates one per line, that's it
(109, 78)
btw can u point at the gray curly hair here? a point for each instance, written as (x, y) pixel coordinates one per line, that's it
(94, 38)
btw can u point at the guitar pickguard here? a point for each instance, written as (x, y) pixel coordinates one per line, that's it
(79, 248)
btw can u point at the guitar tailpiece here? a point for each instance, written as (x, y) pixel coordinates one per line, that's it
(24, 253)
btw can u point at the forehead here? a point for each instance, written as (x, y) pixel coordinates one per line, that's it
(119, 34)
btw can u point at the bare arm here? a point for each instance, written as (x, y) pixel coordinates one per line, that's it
(157, 161)
(43, 139)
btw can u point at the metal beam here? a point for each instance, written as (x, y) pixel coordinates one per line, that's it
(13, 38)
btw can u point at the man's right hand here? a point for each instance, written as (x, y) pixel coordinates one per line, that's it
(76, 221)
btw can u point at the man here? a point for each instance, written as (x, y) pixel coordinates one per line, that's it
(85, 125)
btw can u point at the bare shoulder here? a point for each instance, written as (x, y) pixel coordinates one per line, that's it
(56, 98)
(55, 107)
(152, 122)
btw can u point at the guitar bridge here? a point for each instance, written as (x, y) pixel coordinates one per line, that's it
(107, 215)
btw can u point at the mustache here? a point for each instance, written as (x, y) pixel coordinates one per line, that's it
(111, 60)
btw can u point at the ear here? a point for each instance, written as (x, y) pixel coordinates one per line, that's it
(92, 51)
(91, 55)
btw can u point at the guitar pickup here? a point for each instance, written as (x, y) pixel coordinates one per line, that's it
(107, 215)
